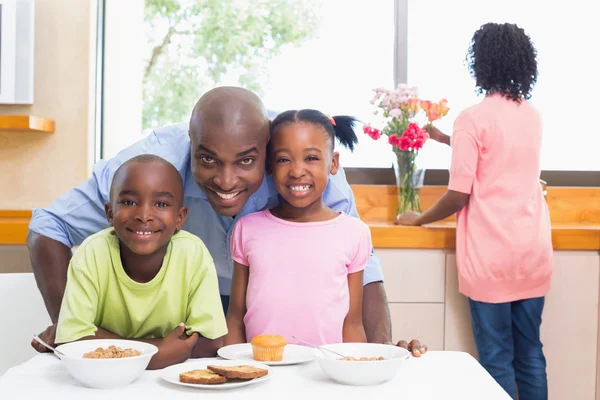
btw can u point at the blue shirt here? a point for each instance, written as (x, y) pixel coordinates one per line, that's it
(79, 212)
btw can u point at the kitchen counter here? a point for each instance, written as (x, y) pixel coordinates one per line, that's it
(442, 235)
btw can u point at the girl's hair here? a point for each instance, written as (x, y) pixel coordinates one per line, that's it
(343, 129)
(502, 59)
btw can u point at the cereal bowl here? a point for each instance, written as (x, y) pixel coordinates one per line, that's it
(105, 373)
(361, 372)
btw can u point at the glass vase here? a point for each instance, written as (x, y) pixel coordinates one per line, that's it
(409, 180)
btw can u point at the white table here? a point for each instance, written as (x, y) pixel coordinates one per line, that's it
(436, 375)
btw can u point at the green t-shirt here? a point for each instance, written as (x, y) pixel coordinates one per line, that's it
(99, 293)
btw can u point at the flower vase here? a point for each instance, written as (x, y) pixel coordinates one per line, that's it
(409, 179)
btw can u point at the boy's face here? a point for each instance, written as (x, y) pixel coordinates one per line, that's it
(146, 206)
(301, 161)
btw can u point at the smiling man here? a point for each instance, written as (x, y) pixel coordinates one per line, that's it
(221, 159)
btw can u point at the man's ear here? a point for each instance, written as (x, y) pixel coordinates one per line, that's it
(335, 163)
(109, 212)
(181, 218)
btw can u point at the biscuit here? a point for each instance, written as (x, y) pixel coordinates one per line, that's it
(202, 377)
(238, 371)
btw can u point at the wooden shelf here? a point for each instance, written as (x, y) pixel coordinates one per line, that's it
(25, 123)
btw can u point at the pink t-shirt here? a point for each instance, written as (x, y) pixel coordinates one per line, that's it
(503, 236)
(298, 282)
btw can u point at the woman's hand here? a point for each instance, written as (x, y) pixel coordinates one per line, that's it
(408, 218)
(437, 135)
(415, 347)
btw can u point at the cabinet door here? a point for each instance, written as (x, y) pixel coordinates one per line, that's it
(457, 327)
(418, 321)
(569, 324)
(571, 316)
(413, 276)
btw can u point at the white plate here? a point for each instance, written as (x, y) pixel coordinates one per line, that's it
(171, 374)
(293, 354)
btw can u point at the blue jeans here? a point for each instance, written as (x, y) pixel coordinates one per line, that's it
(507, 336)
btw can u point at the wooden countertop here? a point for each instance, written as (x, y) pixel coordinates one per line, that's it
(575, 215)
(442, 235)
(574, 212)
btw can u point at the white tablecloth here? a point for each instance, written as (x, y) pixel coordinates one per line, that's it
(436, 375)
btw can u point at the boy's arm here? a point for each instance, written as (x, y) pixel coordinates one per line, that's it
(353, 330)
(205, 316)
(102, 333)
(237, 305)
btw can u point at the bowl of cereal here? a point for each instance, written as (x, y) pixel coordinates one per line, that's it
(363, 364)
(106, 363)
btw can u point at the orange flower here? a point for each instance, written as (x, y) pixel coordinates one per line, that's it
(413, 104)
(443, 107)
(435, 111)
(433, 114)
(425, 105)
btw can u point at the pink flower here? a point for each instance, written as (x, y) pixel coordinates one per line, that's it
(419, 144)
(405, 144)
(372, 132)
(413, 138)
(394, 140)
(396, 113)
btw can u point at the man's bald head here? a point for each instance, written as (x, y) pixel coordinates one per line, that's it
(229, 133)
(227, 106)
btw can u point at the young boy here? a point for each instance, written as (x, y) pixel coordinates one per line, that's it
(144, 278)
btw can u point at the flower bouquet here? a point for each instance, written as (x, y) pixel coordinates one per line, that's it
(405, 118)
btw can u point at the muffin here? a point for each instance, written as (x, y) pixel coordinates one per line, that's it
(268, 347)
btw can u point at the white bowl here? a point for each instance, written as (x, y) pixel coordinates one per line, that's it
(361, 373)
(105, 373)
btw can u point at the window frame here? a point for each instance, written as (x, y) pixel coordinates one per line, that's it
(439, 177)
(355, 175)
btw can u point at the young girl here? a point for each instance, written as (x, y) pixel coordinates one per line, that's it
(298, 267)
(503, 236)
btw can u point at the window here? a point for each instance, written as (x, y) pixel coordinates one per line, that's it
(330, 54)
(567, 81)
(326, 54)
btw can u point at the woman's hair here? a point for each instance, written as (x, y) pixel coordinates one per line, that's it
(502, 59)
(340, 126)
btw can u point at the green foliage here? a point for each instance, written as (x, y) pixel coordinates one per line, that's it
(195, 45)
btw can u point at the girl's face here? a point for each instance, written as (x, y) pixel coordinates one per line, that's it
(300, 161)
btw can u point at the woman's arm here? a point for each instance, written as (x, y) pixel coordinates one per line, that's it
(237, 305)
(437, 135)
(353, 330)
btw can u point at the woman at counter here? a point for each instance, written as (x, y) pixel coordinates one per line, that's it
(503, 235)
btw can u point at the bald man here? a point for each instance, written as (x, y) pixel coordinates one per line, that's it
(221, 158)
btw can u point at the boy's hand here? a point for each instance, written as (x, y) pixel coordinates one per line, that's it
(175, 348)
(48, 336)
